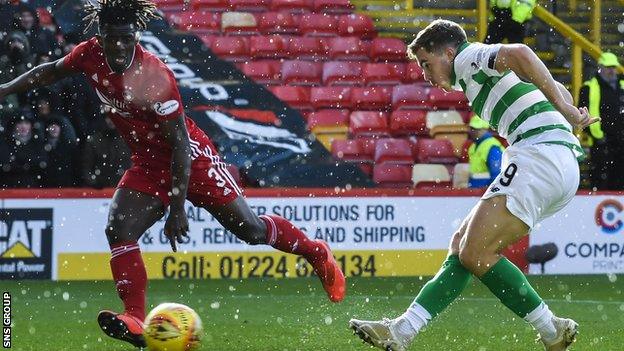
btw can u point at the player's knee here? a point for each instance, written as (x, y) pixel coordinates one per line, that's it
(114, 232)
(468, 257)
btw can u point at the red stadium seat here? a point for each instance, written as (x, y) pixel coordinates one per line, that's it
(349, 150)
(333, 6)
(388, 49)
(356, 25)
(434, 151)
(383, 73)
(328, 118)
(263, 72)
(330, 97)
(367, 146)
(371, 98)
(234, 49)
(342, 73)
(249, 5)
(304, 48)
(347, 48)
(169, 5)
(318, 25)
(277, 23)
(197, 21)
(294, 6)
(393, 151)
(445, 101)
(390, 175)
(368, 124)
(414, 73)
(296, 97)
(408, 122)
(271, 46)
(209, 5)
(410, 97)
(301, 73)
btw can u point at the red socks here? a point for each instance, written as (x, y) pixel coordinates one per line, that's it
(130, 277)
(284, 236)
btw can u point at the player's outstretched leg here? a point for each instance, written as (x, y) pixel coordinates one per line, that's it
(433, 298)
(131, 214)
(493, 228)
(276, 231)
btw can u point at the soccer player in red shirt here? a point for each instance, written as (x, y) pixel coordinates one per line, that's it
(172, 160)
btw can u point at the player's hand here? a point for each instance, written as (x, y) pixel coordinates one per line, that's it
(578, 117)
(176, 227)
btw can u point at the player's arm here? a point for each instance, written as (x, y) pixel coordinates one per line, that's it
(174, 131)
(42, 75)
(524, 62)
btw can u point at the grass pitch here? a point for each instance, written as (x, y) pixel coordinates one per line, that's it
(294, 314)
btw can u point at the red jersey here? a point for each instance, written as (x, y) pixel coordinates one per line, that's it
(138, 100)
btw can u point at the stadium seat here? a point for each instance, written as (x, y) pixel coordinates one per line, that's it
(208, 5)
(431, 176)
(294, 6)
(408, 122)
(388, 49)
(442, 100)
(296, 97)
(330, 97)
(271, 46)
(368, 124)
(263, 72)
(342, 73)
(371, 98)
(414, 73)
(277, 23)
(249, 5)
(367, 146)
(434, 151)
(329, 125)
(356, 25)
(318, 25)
(234, 49)
(349, 150)
(239, 23)
(391, 175)
(461, 174)
(383, 73)
(347, 48)
(197, 21)
(410, 96)
(169, 5)
(443, 118)
(333, 6)
(393, 151)
(301, 73)
(303, 48)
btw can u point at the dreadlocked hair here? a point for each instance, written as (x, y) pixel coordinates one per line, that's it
(137, 12)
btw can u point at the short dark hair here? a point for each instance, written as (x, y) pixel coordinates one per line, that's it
(436, 36)
(120, 12)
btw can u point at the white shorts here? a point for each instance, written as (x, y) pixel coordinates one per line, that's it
(538, 180)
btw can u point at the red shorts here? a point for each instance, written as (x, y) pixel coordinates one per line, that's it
(210, 183)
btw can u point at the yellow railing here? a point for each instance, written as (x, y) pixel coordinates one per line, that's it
(579, 44)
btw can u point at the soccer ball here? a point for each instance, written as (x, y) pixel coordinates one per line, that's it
(172, 327)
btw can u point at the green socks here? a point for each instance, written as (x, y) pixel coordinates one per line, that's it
(511, 287)
(445, 287)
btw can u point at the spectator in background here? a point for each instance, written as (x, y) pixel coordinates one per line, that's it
(508, 20)
(604, 97)
(61, 154)
(45, 104)
(484, 155)
(105, 157)
(16, 61)
(42, 40)
(7, 14)
(24, 157)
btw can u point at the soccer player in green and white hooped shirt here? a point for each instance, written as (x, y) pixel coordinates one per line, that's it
(510, 88)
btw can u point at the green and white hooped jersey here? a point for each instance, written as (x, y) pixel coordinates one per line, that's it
(517, 110)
